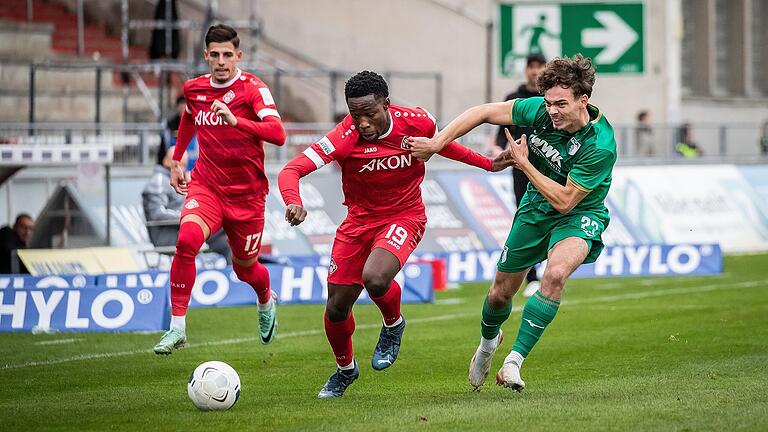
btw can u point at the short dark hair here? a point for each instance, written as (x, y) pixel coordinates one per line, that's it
(577, 73)
(366, 83)
(536, 57)
(642, 115)
(21, 216)
(221, 33)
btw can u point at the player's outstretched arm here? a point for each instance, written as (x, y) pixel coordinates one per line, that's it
(498, 113)
(462, 154)
(288, 182)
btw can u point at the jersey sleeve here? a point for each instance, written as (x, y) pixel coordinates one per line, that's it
(335, 145)
(263, 102)
(592, 169)
(525, 112)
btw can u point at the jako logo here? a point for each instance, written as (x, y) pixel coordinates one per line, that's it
(547, 151)
(207, 118)
(387, 163)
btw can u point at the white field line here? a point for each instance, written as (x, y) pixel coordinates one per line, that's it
(58, 341)
(602, 299)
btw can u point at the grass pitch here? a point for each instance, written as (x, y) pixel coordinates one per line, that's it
(623, 354)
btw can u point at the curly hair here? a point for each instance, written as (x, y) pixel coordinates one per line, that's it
(366, 83)
(577, 73)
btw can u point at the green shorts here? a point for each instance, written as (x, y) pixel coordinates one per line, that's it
(538, 227)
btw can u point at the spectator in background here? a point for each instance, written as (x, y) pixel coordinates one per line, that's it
(15, 238)
(533, 67)
(171, 132)
(764, 140)
(643, 135)
(686, 147)
(162, 209)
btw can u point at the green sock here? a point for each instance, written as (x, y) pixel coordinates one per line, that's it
(493, 319)
(538, 313)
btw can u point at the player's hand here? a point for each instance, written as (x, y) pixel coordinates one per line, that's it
(222, 110)
(422, 148)
(518, 149)
(295, 214)
(179, 178)
(502, 161)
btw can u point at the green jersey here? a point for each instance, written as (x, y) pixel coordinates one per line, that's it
(585, 158)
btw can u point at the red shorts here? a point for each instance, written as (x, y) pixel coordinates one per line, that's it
(355, 240)
(243, 221)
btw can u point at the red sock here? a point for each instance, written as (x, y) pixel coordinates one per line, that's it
(183, 269)
(389, 304)
(340, 337)
(257, 276)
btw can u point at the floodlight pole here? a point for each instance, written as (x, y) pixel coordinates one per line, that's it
(108, 204)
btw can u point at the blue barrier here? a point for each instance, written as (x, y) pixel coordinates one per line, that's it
(91, 308)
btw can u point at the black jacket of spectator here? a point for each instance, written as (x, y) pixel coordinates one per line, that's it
(9, 241)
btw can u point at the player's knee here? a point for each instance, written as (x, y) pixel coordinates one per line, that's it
(554, 277)
(190, 240)
(336, 310)
(375, 283)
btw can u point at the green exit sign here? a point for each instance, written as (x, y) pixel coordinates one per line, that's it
(610, 33)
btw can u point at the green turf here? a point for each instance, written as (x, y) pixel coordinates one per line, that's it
(622, 354)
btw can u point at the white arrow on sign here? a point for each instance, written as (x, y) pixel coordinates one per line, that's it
(616, 37)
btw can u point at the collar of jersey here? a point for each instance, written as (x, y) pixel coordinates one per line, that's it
(391, 125)
(228, 83)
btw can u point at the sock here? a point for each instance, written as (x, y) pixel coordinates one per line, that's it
(179, 323)
(488, 345)
(257, 276)
(515, 357)
(538, 313)
(339, 335)
(389, 304)
(183, 270)
(493, 319)
(348, 367)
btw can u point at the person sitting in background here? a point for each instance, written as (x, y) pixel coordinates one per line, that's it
(15, 238)
(686, 147)
(643, 135)
(162, 209)
(764, 140)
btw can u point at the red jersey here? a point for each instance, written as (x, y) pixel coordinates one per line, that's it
(379, 178)
(231, 159)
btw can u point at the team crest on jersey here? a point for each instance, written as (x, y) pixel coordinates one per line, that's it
(228, 96)
(404, 143)
(332, 267)
(574, 147)
(191, 204)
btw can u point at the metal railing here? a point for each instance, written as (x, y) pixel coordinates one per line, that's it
(136, 144)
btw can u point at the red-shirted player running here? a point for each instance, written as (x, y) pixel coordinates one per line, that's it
(386, 218)
(233, 113)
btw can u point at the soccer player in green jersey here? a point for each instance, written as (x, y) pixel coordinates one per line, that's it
(568, 157)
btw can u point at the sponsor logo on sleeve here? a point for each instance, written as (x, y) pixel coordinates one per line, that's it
(266, 95)
(326, 145)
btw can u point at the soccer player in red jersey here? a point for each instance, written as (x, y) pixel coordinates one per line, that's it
(233, 114)
(386, 217)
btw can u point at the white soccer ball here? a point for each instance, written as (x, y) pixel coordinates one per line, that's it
(214, 386)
